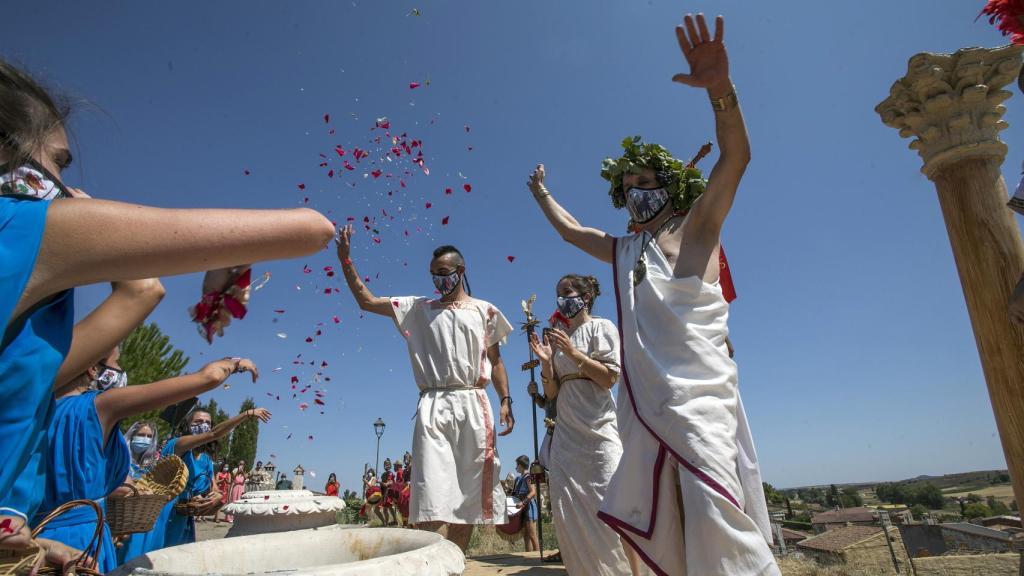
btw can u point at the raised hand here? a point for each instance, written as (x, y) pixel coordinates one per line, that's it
(261, 413)
(344, 243)
(560, 342)
(219, 370)
(706, 55)
(536, 182)
(541, 349)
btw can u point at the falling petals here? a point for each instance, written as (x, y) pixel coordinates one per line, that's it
(511, 258)
(467, 188)
(327, 118)
(444, 221)
(302, 186)
(414, 85)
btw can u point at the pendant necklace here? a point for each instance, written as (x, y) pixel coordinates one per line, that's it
(640, 269)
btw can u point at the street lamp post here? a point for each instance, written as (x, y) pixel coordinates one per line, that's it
(378, 429)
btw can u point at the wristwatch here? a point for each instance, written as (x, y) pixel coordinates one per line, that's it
(726, 102)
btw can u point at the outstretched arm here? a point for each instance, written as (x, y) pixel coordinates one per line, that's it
(598, 244)
(709, 69)
(120, 403)
(500, 378)
(153, 242)
(186, 443)
(364, 298)
(96, 335)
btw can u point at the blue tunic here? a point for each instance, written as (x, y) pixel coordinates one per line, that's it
(171, 528)
(82, 467)
(32, 348)
(521, 490)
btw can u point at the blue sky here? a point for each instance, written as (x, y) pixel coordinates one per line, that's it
(856, 356)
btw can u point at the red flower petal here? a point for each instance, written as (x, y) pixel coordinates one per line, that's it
(444, 221)
(295, 379)
(302, 186)
(339, 150)
(327, 118)
(376, 173)
(447, 190)
(336, 320)
(511, 258)
(309, 339)
(246, 172)
(467, 187)
(429, 205)
(413, 85)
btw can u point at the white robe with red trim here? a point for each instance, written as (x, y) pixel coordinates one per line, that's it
(455, 478)
(680, 414)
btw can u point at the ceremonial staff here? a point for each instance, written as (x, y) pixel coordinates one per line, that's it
(529, 328)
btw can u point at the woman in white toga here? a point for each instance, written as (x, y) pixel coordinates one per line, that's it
(579, 367)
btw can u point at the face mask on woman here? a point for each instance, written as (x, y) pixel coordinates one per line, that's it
(31, 180)
(110, 378)
(570, 306)
(199, 428)
(140, 444)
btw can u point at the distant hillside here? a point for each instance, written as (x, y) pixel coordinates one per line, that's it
(961, 480)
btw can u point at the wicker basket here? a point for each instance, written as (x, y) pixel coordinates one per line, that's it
(134, 513)
(167, 477)
(17, 563)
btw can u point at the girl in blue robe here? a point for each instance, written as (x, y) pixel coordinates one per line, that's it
(173, 529)
(82, 465)
(85, 242)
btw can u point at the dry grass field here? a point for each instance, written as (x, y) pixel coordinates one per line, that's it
(1003, 493)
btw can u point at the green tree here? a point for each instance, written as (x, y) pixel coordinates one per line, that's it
(148, 356)
(972, 511)
(244, 438)
(997, 507)
(850, 498)
(918, 511)
(832, 498)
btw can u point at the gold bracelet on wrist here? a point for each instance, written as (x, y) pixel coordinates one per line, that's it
(726, 102)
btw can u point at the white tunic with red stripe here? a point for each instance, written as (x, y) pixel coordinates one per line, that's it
(456, 475)
(680, 414)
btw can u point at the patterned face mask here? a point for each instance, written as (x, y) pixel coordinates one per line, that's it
(570, 306)
(446, 284)
(110, 378)
(200, 428)
(31, 180)
(644, 204)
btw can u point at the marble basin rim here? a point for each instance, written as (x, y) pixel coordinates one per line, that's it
(269, 511)
(331, 551)
(271, 502)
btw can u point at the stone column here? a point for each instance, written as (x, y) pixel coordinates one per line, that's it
(952, 105)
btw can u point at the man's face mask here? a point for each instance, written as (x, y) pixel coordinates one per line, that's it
(31, 180)
(110, 378)
(645, 203)
(199, 428)
(140, 444)
(570, 306)
(446, 284)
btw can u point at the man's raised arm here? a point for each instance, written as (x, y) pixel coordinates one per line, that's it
(598, 244)
(709, 69)
(364, 298)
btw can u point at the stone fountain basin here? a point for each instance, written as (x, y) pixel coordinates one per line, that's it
(281, 511)
(331, 551)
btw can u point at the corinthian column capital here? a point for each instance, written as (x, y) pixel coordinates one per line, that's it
(951, 104)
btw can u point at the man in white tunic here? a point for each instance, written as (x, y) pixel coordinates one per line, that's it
(686, 494)
(453, 346)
